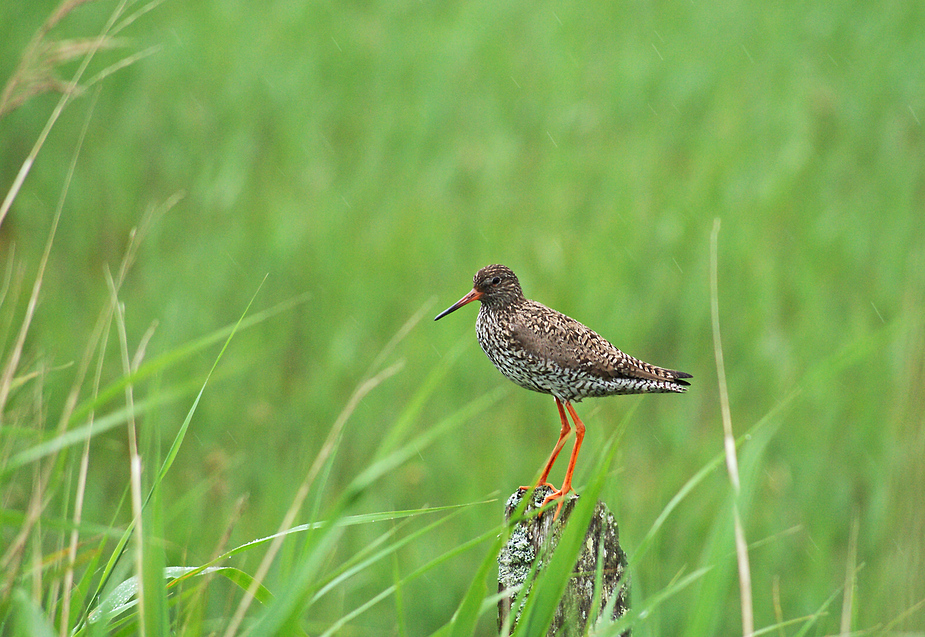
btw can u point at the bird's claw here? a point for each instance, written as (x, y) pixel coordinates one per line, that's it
(555, 495)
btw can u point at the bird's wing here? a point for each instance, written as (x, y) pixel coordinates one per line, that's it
(563, 340)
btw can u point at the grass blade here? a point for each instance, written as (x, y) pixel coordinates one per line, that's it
(165, 466)
(649, 605)
(467, 615)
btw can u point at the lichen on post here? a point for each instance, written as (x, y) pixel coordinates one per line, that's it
(536, 537)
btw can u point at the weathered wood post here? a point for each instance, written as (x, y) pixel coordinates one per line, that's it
(536, 538)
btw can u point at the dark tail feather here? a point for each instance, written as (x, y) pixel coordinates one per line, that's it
(678, 376)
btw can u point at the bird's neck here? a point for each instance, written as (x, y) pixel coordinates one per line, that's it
(503, 307)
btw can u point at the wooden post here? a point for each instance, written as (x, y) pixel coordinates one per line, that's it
(537, 537)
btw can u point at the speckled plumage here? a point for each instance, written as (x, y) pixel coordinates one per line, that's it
(546, 351)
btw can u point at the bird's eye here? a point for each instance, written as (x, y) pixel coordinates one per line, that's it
(496, 280)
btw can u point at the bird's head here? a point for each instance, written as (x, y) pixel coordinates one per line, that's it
(494, 285)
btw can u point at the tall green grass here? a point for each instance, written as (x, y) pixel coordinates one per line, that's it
(356, 163)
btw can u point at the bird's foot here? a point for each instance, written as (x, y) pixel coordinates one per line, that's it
(559, 495)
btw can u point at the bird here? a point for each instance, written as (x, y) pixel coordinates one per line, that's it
(548, 352)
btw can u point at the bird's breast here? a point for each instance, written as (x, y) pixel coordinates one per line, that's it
(517, 361)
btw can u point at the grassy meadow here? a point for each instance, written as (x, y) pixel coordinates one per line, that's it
(262, 207)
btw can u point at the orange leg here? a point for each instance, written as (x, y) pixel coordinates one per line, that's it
(563, 434)
(567, 483)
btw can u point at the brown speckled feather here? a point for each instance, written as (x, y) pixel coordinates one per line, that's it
(546, 351)
(562, 339)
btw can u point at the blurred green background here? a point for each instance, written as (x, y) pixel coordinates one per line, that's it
(374, 155)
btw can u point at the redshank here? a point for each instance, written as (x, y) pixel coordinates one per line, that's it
(546, 351)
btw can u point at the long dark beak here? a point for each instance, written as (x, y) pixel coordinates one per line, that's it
(474, 295)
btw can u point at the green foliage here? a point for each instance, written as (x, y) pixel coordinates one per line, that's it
(218, 244)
